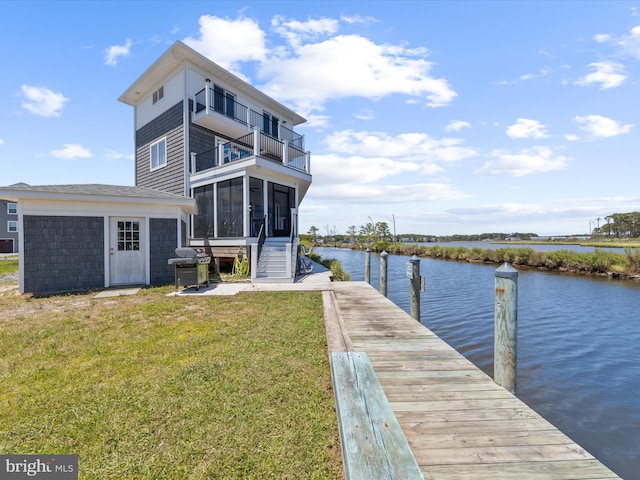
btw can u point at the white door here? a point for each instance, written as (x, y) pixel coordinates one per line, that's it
(127, 251)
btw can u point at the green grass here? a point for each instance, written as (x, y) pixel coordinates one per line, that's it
(157, 387)
(8, 266)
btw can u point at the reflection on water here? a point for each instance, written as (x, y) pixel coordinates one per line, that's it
(578, 338)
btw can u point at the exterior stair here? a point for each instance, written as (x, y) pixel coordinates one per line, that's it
(272, 264)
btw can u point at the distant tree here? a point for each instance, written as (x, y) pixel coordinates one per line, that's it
(351, 233)
(313, 232)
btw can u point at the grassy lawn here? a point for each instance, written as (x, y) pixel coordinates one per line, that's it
(149, 386)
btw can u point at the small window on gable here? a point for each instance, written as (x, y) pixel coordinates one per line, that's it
(12, 226)
(12, 208)
(158, 95)
(159, 154)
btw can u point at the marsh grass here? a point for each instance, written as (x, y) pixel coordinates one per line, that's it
(150, 386)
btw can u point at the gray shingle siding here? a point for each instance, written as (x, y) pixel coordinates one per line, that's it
(169, 178)
(63, 253)
(163, 240)
(202, 139)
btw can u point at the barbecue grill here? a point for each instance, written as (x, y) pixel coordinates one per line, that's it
(191, 267)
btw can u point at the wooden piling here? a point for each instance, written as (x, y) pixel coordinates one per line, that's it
(506, 327)
(367, 266)
(413, 272)
(384, 257)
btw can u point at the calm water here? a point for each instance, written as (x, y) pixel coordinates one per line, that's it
(578, 343)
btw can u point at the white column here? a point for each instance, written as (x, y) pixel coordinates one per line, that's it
(207, 101)
(256, 141)
(246, 218)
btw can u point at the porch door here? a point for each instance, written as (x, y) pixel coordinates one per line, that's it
(281, 203)
(127, 246)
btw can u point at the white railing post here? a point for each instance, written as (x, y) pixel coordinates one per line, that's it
(254, 260)
(220, 160)
(256, 141)
(307, 162)
(285, 152)
(193, 162)
(289, 262)
(294, 222)
(207, 101)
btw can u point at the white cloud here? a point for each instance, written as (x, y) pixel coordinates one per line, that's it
(115, 155)
(523, 162)
(386, 194)
(607, 74)
(628, 45)
(296, 32)
(527, 128)
(542, 73)
(602, 37)
(351, 65)
(365, 114)
(42, 101)
(1, 141)
(570, 137)
(603, 127)
(355, 169)
(358, 19)
(113, 53)
(405, 146)
(228, 42)
(316, 63)
(457, 125)
(70, 151)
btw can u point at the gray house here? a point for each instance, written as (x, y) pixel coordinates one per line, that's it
(202, 132)
(8, 226)
(78, 237)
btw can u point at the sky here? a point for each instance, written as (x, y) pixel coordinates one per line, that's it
(436, 117)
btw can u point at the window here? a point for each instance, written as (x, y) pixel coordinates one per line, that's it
(231, 105)
(203, 221)
(12, 226)
(224, 102)
(229, 208)
(159, 154)
(158, 95)
(270, 124)
(128, 236)
(12, 208)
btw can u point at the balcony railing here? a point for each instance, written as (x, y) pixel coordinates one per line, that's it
(221, 103)
(265, 145)
(225, 104)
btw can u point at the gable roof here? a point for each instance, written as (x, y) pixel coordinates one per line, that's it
(176, 56)
(97, 193)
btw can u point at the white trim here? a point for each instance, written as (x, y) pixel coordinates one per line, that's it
(107, 250)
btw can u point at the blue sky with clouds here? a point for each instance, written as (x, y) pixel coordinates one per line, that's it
(451, 117)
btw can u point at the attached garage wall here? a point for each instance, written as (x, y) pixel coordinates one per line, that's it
(163, 240)
(63, 253)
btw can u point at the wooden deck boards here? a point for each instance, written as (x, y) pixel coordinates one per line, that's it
(457, 421)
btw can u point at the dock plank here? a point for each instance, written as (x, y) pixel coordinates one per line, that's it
(457, 421)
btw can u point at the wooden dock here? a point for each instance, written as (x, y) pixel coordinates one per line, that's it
(458, 423)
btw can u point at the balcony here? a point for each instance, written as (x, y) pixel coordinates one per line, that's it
(254, 144)
(219, 111)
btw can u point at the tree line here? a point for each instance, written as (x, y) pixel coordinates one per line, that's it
(619, 225)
